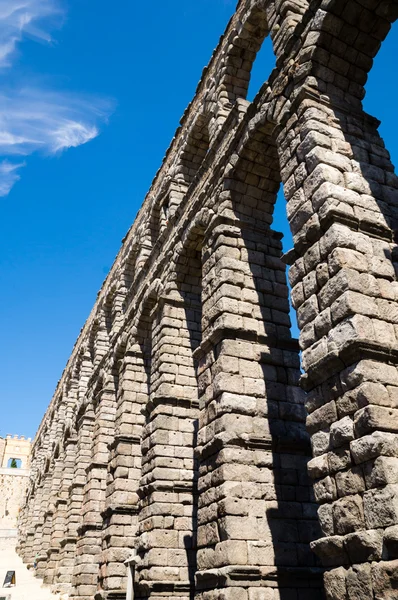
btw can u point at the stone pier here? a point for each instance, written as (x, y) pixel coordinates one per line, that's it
(183, 443)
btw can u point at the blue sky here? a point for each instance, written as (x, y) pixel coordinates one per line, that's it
(91, 96)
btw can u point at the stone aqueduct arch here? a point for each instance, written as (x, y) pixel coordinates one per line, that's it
(177, 429)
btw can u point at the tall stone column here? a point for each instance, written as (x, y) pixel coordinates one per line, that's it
(25, 533)
(56, 525)
(44, 511)
(64, 561)
(31, 508)
(26, 538)
(38, 522)
(124, 471)
(256, 513)
(43, 531)
(167, 517)
(62, 568)
(342, 204)
(90, 531)
(57, 506)
(85, 426)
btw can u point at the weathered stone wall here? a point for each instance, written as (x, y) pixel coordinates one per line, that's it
(15, 447)
(176, 436)
(2, 449)
(12, 492)
(13, 481)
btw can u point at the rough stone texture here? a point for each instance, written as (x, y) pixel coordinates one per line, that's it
(13, 480)
(176, 436)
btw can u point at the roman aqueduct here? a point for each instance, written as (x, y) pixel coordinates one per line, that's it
(176, 437)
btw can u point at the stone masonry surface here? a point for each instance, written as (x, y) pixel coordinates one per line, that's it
(176, 437)
(13, 481)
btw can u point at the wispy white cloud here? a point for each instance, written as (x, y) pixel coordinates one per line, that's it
(19, 18)
(8, 175)
(71, 135)
(33, 119)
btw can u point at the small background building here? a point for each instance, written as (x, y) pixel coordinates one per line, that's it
(14, 475)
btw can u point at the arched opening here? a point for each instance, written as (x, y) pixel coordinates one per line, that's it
(92, 339)
(280, 223)
(164, 214)
(14, 463)
(109, 311)
(83, 371)
(261, 68)
(98, 338)
(129, 264)
(144, 355)
(189, 285)
(236, 72)
(57, 449)
(250, 307)
(193, 153)
(145, 339)
(159, 218)
(382, 90)
(183, 174)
